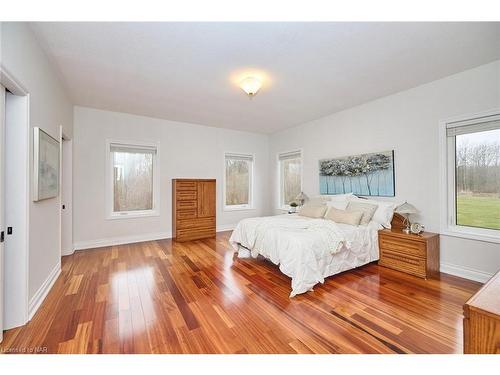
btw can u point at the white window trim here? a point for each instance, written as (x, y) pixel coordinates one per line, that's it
(280, 206)
(447, 185)
(155, 211)
(239, 207)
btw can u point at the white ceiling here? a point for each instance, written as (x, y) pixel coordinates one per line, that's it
(186, 71)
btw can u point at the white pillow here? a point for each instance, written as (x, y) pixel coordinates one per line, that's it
(383, 214)
(339, 205)
(318, 200)
(341, 197)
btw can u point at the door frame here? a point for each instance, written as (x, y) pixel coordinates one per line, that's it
(16, 88)
(62, 139)
(2, 208)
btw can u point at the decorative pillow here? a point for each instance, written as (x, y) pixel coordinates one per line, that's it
(314, 211)
(367, 209)
(339, 205)
(383, 214)
(343, 216)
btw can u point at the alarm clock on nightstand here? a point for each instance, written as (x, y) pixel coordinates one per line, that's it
(416, 228)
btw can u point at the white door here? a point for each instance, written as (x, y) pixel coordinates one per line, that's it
(67, 198)
(2, 127)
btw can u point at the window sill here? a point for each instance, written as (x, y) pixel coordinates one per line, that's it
(460, 233)
(132, 215)
(238, 208)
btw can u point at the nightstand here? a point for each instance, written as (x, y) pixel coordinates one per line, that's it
(416, 254)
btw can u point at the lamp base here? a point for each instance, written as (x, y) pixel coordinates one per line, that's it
(407, 223)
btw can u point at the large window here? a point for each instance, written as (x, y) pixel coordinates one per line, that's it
(290, 177)
(132, 176)
(238, 181)
(473, 176)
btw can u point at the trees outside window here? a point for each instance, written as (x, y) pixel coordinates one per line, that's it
(238, 181)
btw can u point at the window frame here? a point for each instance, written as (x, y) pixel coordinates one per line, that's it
(155, 211)
(447, 168)
(239, 207)
(281, 205)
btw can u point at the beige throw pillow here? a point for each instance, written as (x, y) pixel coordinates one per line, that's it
(343, 216)
(314, 211)
(367, 209)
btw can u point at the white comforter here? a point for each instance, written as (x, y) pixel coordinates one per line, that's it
(302, 247)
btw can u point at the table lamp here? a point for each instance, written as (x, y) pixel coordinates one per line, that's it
(406, 209)
(302, 197)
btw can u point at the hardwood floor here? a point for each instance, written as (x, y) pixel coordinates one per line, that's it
(167, 297)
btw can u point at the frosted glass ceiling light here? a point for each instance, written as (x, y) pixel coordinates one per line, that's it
(251, 85)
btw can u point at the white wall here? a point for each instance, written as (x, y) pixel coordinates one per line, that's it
(406, 122)
(186, 150)
(49, 108)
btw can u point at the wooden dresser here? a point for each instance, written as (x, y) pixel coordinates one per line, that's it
(482, 319)
(416, 254)
(193, 209)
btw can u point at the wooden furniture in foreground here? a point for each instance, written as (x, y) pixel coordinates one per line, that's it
(482, 319)
(416, 254)
(193, 209)
(169, 297)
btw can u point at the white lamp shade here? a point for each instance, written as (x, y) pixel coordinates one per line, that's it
(251, 85)
(406, 208)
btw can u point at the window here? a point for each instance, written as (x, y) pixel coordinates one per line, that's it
(290, 177)
(132, 176)
(238, 181)
(473, 176)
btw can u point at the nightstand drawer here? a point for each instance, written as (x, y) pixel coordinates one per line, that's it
(403, 246)
(413, 265)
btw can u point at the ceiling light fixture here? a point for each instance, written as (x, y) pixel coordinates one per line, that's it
(251, 85)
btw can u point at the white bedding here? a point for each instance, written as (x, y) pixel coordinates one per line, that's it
(307, 250)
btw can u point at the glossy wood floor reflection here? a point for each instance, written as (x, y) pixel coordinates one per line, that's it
(167, 297)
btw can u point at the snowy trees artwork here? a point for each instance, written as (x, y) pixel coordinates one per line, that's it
(366, 174)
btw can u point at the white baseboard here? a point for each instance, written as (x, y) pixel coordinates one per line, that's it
(465, 272)
(44, 289)
(112, 241)
(223, 228)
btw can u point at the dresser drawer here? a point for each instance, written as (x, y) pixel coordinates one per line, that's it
(185, 185)
(194, 233)
(196, 223)
(412, 265)
(187, 214)
(403, 246)
(186, 205)
(185, 195)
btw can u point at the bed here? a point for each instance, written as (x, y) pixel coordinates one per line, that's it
(307, 250)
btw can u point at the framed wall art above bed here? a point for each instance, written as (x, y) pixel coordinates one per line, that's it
(366, 174)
